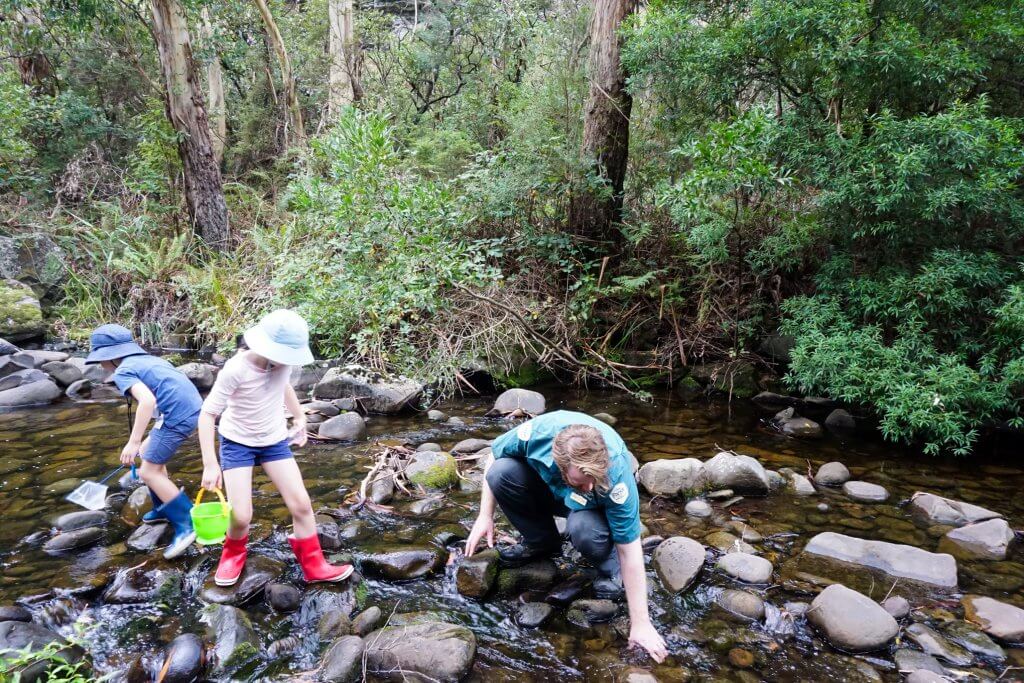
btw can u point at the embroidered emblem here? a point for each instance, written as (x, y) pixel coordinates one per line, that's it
(577, 498)
(619, 493)
(524, 431)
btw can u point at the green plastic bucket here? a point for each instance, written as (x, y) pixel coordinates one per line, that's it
(210, 520)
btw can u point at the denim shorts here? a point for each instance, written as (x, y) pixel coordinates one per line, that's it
(234, 454)
(164, 443)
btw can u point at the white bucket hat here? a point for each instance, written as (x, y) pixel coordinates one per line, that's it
(281, 337)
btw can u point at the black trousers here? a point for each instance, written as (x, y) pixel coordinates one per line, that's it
(531, 507)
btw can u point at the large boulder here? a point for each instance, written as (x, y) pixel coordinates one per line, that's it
(518, 402)
(677, 562)
(741, 473)
(305, 377)
(344, 427)
(671, 477)
(988, 540)
(16, 636)
(32, 394)
(430, 651)
(402, 564)
(343, 661)
(64, 373)
(202, 375)
(229, 629)
(947, 511)
(21, 316)
(894, 559)
(850, 620)
(374, 392)
(433, 470)
(35, 260)
(998, 619)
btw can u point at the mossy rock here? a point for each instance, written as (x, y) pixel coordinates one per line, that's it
(20, 315)
(689, 389)
(433, 470)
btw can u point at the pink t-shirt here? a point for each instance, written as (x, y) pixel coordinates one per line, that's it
(250, 401)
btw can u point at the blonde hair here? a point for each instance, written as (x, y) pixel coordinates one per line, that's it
(583, 446)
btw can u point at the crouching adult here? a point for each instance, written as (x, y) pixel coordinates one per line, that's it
(568, 464)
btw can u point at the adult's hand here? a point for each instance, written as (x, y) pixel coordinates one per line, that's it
(647, 637)
(211, 478)
(483, 527)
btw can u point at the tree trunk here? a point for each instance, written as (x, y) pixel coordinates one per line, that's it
(594, 211)
(296, 133)
(344, 80)
(34, 66)
(215, 85)
(186, 111)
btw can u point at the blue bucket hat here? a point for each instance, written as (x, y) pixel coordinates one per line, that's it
(110, 342)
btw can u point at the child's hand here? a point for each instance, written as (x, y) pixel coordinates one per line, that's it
(298, 434)
(211, 478)
(130, 452)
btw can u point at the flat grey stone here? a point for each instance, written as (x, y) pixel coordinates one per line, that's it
(894, 559)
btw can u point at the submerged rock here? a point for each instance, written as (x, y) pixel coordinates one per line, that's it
(19, 635)
(801, 428)
(383, 487)
(373, 391)
(73, 540)
(865, 492)
(230, 631)
(520, 402)
(434, 650)
(475, 575)
(947, 511)
(746, 568)
(936, 645)
(916, 662)
(677, 562)
(972, 640)
(583, 613)
(671, 477)
(139, 585)
(740, 473)
(82, 519)
(832, 474)
(432, 470)
(698, 508)
(402, 564)
(896, 560)
(741, 605)
(850, 620)
(343, 661)
(989, 540)
(533, 614)
(539, 575)
(184, 660)
(283, 597)
(840, 421)
(998, 619)
(344, 427)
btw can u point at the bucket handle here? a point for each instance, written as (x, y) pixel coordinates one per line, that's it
(220, 494)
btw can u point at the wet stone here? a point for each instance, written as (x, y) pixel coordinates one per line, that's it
(134, 586)
(367, 620)
(585, 612)
(343, 661)
(727, 543)
(677, 562)
(741, 473)
(740, 658)
(533, 614)
(672, 477)
(832, 474)
(435, 650)
(913, 660)
(467, 446)
(988, 540)
(334, 624)
(801, 485)
(649, 543)
(741, 605)
(283, 597)
(535, 576)
(436, 416)
(14, 613)
(402, 564)
(897, 606)
(865, 492)
(998, 619)
(475, 575)
(721, 494)
(972, 640)
(948, 511)
(429, 446)
(746, 568)
(82, 519)
(567, 591)
(424, 506)
(184, 660)
(148, 537)
(73, 540)
(231, 632)
(850, 620)
(258, 572)
(383, 487)
(894, 559)
(698, 508)
(936, 645)
(925, 676)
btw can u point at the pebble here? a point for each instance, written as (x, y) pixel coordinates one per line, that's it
(740, 658)
(698, 508)
(897, 606)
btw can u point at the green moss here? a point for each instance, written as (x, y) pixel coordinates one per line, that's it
(242, 653)
(441, 475)
(20, 315)
(688, 389)
(528, 374)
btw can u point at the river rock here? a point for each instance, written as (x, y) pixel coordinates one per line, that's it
(840, 421)
(728, 543)
(894, 559)
(671, 477)
(433, 470)
(89, 390)
(741, 473)
(383, 487)
(434, 650)
(832, 474)
(7, 348)
(424, 506)
(972, 640)
(609, 420)
(343, 661)
(283, 597)
(367, 620)
(35, 358)
(324, 408)
(583, 613)
(429, 446)
(677, 562)
(917, 662)
(467, 446)
(258, 572)
(801, 485)
(897, 606)
(998, 619)
(32, 394)
(800, 428)
(21, 316)
(850, 620)
(436, 416)
(375, 392)
(947, 511)
(14, 613)
(71, 521)
(698, 508)
(202, 375)
(533, 614)
(62, 372)
(989, 540)
(519, 401)
(344, 427)
(138, 585)
(923, 676)
(937, 646)
(20, 378)
(539, 575)
(148, 537)
(230, 631)
(35, 260)
(19, 635)
(72, 540)
(403, 563)
(865, 492)
(184, 660)
(746, 568)
(474, 577)
(742, 605)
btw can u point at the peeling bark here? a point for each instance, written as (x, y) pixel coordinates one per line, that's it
(215, 86)
(343, 51)
(296, 133)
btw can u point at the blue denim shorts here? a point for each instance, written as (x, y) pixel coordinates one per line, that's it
(234, 454)
(164, 443)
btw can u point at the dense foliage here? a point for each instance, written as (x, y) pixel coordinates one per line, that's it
(846, 172)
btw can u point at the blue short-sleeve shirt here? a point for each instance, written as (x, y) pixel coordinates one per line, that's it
(532, 441)
(177, 398)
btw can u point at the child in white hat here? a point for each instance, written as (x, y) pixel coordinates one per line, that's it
(250, 395)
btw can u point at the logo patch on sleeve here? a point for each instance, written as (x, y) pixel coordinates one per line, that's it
(619, 493)
(524, 431)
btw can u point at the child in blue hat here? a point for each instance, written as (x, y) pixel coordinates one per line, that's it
(157, 387)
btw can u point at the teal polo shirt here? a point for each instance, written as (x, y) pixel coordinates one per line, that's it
(532, 441)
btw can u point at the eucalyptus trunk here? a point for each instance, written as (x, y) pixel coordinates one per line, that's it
(344, 79)
(183, 100)
(296, 133)
(215, 85)
(595, 211)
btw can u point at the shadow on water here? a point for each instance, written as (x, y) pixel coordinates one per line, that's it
(45, 453)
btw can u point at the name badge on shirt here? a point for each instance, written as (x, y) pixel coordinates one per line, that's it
(577, 498)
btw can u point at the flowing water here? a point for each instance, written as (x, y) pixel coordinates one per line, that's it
(44, 453)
